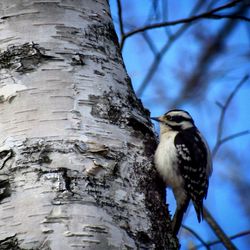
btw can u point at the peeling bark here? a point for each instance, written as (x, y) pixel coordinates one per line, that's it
(76, 145)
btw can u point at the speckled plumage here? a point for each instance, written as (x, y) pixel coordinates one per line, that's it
(183, 161)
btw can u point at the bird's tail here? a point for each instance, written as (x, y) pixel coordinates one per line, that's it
(198, 205)
(178, 216)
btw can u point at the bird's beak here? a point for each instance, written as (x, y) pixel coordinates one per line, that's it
(156, 119)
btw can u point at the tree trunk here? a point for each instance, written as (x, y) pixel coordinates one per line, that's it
(76, 145)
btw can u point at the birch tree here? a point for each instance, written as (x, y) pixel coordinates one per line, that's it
(76, 144)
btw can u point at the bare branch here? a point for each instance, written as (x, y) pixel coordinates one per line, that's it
(165, 8)
(233, 136)
(224, 239)
(144, 35)
(244, 233)
(197, 236)
(120, 18)
(153, 12)
(228, 138)
(228, 244)
(211, 4)
(239, 17)
(238, 86)
(150, 43)
(198, 80)
(158, 58)
(212, 243)
(224, 108)
(180, 21)
(220, 105)
(164, 49)
(208, 244)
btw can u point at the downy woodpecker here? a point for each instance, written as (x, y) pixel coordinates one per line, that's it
(183, 161)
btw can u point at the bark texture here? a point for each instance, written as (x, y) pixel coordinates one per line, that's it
(75, 144)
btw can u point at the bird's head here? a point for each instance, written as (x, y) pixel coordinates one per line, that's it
(174, 120)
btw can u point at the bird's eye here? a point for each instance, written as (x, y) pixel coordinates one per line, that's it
(170, 118)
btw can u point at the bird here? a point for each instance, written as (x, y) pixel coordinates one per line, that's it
(183, 161)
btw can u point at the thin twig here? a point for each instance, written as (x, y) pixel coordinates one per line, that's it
(212, 243)
(145, 36)
(204, 244)
(150, 43)
(224, 108)
(180, 21)
(120, 18)
(211, 4)
(230, 137)
(218, 231)
(239, 17)
(164, 49)
(165, 16)
(233, 136)
(198, 80)
(157, 59)
(122, 24)
(207, 216)
(231, 237)
(228, 101)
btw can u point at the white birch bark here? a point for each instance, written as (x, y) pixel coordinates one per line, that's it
(75, 144)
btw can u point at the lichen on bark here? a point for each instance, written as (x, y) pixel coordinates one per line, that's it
(23, 58)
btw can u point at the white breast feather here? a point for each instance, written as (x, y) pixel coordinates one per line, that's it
(165, 160)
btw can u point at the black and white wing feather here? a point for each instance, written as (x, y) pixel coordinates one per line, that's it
(193, 165)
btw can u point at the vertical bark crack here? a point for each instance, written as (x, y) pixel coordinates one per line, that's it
(67, 179)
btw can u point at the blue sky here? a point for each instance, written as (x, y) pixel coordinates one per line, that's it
(227, 70)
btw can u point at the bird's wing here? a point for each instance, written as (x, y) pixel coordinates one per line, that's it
(192, 161)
